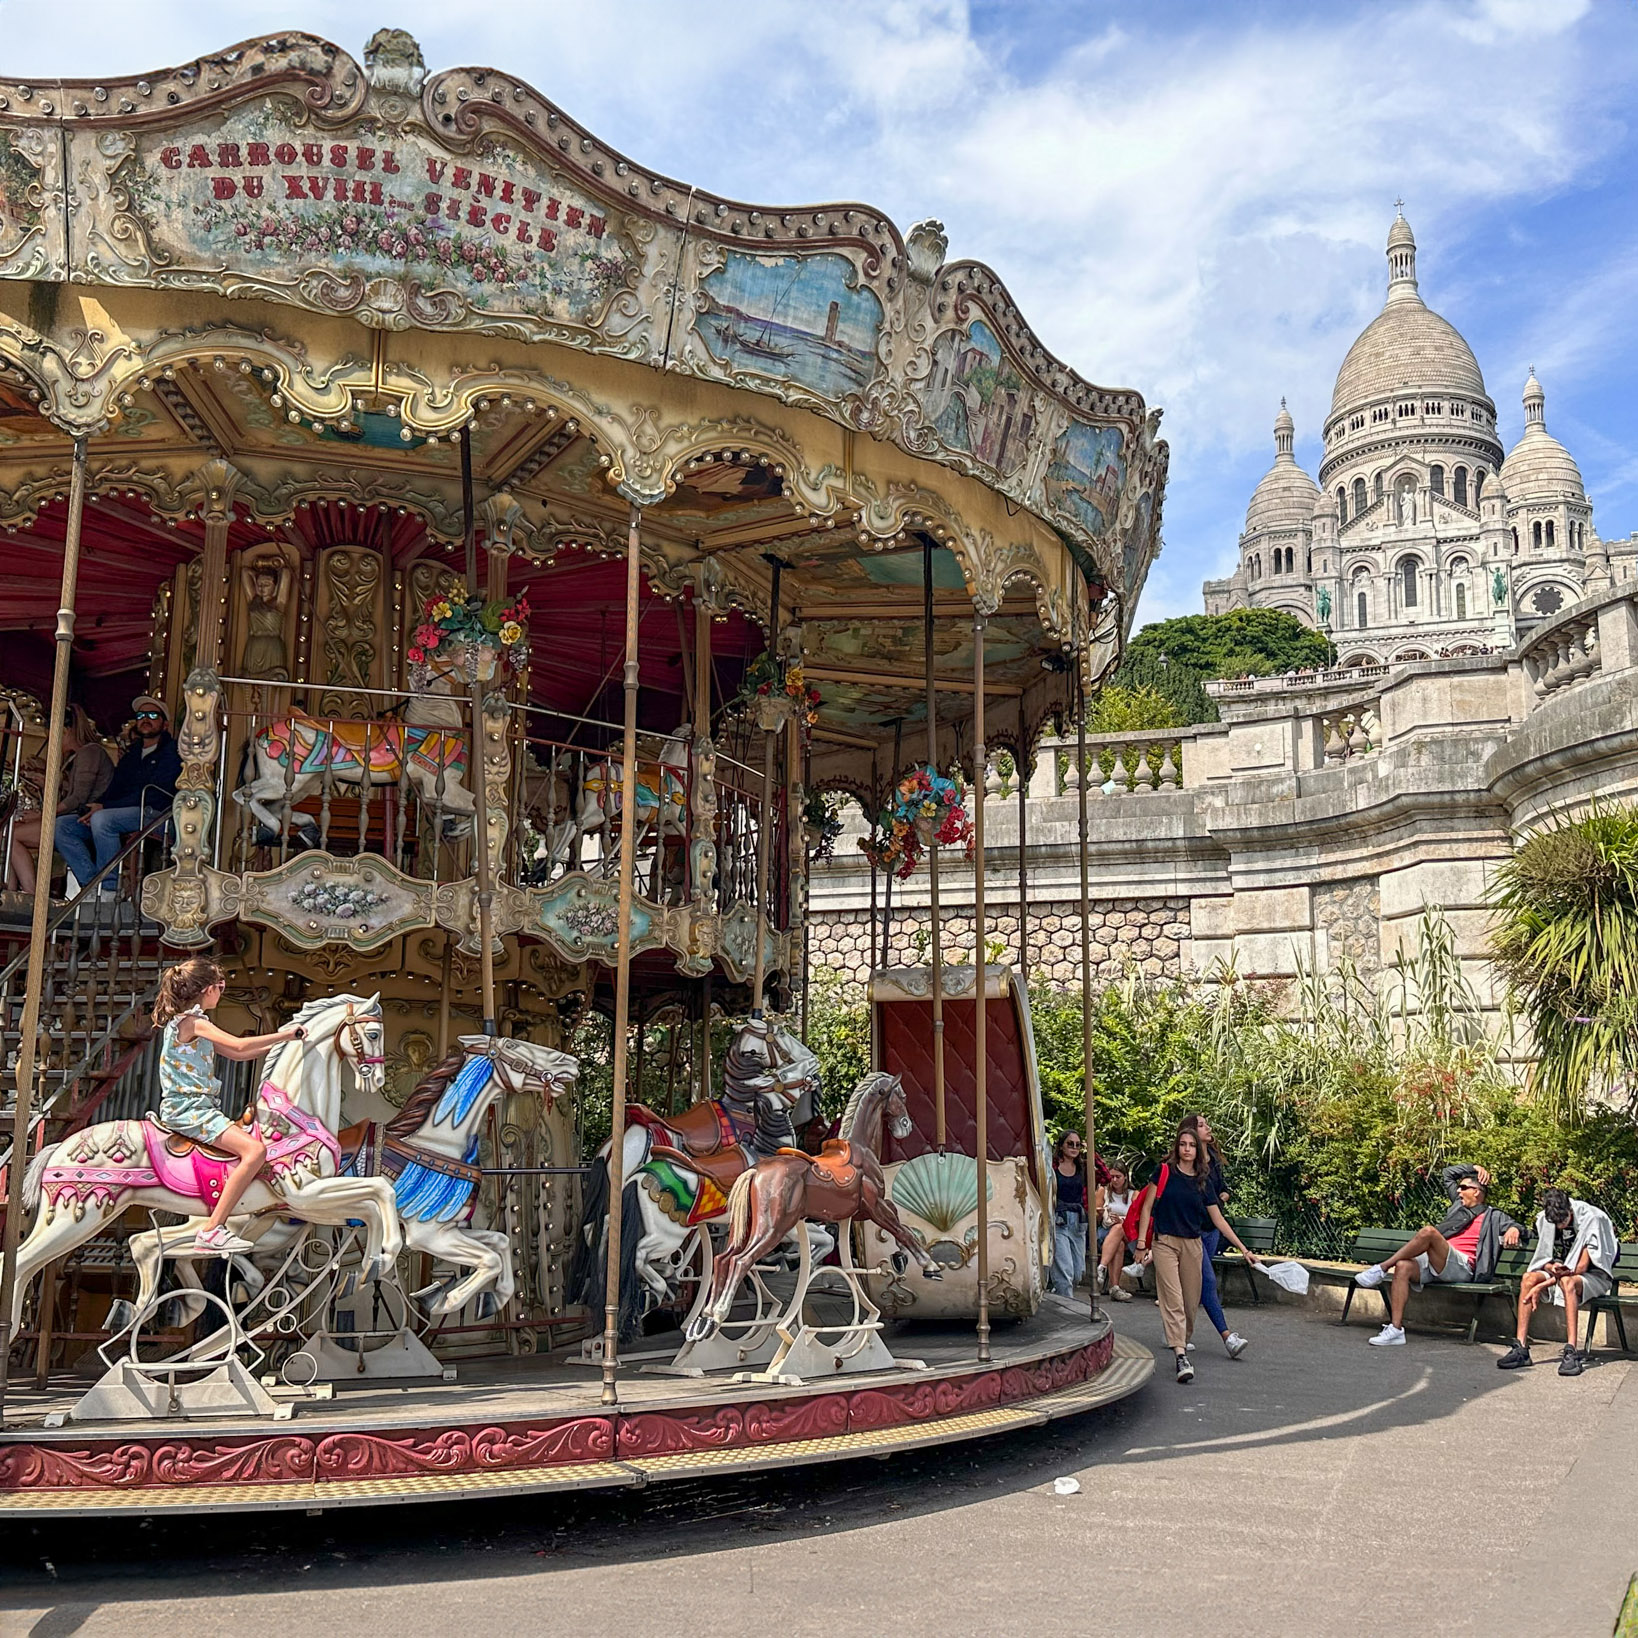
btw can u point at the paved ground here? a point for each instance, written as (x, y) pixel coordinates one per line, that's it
(1316, 1486)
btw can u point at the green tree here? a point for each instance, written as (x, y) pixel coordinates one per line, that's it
(1173, 681)
(1122, 710)
(1260, 642)
(1567, 944)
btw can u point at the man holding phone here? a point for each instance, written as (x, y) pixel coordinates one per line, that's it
(1574, 1262)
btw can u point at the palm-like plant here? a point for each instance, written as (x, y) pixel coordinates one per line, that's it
(1566, 941)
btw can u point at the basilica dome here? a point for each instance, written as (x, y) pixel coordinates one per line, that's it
(1286, 496)
(1539, 467)
(1407, 347)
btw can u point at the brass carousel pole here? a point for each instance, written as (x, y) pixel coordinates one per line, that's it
(702, 731)
(27, 1046)
(622, 964)
(1023, 864)
(887, 881)
(1086, 976)
(932, 851)
(764, 831)
(870, 944)
(475, 769)
(981, 1084)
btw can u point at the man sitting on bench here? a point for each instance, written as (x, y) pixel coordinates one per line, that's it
(1574, 1262)
(1461, 1251)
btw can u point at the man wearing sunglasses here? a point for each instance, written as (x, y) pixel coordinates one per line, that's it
(143, 784)
(1463, 1249)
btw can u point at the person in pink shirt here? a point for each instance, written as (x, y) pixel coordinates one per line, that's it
(1462, 1249)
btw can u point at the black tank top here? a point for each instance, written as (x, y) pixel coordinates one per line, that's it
(1071, 1190)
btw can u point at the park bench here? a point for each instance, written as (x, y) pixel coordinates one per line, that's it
(1258, 1235)
(1372, 1245)
(1626, 1270)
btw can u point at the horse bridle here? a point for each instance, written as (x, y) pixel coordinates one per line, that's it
(514, 1077)
(350, 1035)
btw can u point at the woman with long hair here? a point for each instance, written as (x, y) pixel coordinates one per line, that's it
(1068, 1215)
(189, 1091)
(1216, 1189)
(86, 772)
(1180, 1211)
(1114, 1200)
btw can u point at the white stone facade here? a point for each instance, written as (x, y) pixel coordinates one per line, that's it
(1317, 822)
(1419, 540)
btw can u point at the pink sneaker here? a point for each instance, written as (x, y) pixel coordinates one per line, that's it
(221, 1242)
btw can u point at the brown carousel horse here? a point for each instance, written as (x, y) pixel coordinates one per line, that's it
(844, 1180)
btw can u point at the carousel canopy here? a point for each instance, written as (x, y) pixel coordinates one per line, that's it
(287, 297)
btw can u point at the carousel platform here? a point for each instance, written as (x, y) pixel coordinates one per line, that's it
(535, 1426)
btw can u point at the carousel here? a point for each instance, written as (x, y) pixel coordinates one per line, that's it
(475, 568)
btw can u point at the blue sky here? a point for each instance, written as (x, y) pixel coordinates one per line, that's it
(1187, 199)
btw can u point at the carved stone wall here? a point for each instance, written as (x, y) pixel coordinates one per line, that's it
(1349, 915)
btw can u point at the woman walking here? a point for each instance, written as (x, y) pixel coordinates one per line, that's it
(1114, 1200)
(1217, 1191)
(1181, 1211)
(189, 1090)
(1068, 1215)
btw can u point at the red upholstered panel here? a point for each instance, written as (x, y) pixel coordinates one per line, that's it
(907, 1051)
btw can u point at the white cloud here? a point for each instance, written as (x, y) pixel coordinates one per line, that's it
(1197, 211)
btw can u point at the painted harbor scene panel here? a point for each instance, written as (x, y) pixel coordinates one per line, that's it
(1086, 474)
(800, 319)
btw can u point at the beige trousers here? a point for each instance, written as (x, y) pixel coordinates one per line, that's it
(1177, 1279)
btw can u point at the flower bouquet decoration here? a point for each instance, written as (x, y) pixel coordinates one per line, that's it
(768, 679)
(822, 822)
(460, 628)
(927, 810)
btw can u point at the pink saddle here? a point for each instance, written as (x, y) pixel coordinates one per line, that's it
(197, 1175)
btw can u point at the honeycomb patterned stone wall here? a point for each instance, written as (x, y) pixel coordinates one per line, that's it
(1148, 934)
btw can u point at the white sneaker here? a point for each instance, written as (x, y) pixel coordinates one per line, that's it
(1390, 1336)
(1370, 1278)
(221, 1242)
(1236, 1344)
(1188, 1347)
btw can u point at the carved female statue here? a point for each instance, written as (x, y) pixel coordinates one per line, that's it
(266, 592)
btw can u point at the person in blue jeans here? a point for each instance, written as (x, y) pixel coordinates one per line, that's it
(143, 784)
(1217, 1192)
(1068, 1216)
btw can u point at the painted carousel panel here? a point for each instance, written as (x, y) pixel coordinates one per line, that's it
(803, 319)
(255, 198)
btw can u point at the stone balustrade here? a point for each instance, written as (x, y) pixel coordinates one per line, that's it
(1300, 831)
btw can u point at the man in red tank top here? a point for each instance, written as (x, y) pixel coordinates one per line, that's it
(1462, 1249)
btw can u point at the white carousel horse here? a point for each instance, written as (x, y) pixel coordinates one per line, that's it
(82, 1184)
(662, 799)
(429, 1150)
(678, 1169)
(428, 748)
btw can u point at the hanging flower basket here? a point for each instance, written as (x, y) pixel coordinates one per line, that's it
(822, 822)
(927, 810)
(457, 629)
(768, 682)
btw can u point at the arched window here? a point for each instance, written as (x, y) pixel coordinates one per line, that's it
(1515, 543)
(1436, 480)
(1460, 495)
(1478, 484)
(1549, 534)
(1342, 506)
(1407, 577)
(1361, 499)
(1461, 600)
(1362, 607)
(1381, 488)
(1291, 560)
(1535, 534)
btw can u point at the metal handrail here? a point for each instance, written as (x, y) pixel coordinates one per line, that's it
(63, 911)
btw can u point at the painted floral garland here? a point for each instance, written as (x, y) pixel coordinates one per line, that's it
(927, 809)
(450, 625)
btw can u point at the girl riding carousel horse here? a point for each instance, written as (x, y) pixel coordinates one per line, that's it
(189, 1104)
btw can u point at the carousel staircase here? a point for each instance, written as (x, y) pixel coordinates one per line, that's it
(95, 1046)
